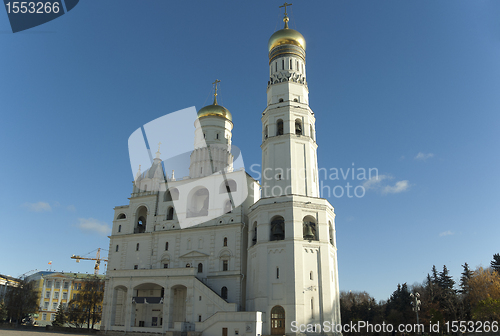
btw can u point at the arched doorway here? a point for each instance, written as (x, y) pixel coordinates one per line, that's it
(277, 321)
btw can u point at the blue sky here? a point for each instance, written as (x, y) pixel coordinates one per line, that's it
(408, 87)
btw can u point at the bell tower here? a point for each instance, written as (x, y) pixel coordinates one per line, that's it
(289, 162)
(292, 272)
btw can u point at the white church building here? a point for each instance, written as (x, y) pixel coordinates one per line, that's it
(257, 262)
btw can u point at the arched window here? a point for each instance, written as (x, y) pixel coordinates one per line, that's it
(170, 213)
(298, 127)
(228, 186)
(167, 196)
(228, 207)
(278, 228)
(279, 127)
(330, 231)
(200, 268)
(225, 241)
(137, 247)
(198, 203)
(254, 238)
(277, 320)
(223, 293)
(309, 228)
(142, 214)
(121, 216)
(174, 193)
(166, 246)
(119, 228)
(188, 265)
(280, 100)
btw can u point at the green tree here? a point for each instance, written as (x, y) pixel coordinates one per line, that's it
(60, 319)
(464, 299)
(86, 308)
(21, 300)
(448, 295)
(495, 263)
(398, 308)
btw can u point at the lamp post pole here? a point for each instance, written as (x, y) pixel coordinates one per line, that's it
(416, 303)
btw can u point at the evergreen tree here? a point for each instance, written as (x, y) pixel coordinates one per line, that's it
(60, 319)
(465, 306)
(495, 263)
(447, 297)
(464, 279)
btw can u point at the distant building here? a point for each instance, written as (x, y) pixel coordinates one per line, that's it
(56, 289)
(5, 282)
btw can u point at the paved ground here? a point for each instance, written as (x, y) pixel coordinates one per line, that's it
(41, 332)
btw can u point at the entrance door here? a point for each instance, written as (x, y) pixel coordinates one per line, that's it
(277, 320)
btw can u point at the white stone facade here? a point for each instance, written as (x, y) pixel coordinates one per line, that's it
(256, 263)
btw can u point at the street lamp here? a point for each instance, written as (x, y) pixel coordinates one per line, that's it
(415, 303)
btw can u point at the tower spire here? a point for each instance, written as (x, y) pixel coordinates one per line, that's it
(215, 93)
(286, 19)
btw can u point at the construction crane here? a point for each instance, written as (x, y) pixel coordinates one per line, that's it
(97, 259)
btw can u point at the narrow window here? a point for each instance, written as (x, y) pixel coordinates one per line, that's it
(199, 318)
(170, 213)
(297, 65)
(291, 67)
(200, 268)
(298, 127)
(283, 64)
(311, 275)
(224, 265)
(166, 246)
(204, 136)
(137, 247)
(225, 241)
(165, 265)
(119, 228)
(201, 170)
(277, 272)
(279, 130)
(276, 63)
(223, 292)
(217, 136)
(116, 250)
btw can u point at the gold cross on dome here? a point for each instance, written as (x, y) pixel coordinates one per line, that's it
(215, 85)
(284, 5)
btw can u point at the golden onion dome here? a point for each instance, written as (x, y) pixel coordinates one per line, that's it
(215, 110)
(286, 36)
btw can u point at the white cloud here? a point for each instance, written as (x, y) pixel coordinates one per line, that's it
(71, 208)
(400, 186)
(423, 156)
(92, 225)
(38, 207)
(375, 182)
(446, 233)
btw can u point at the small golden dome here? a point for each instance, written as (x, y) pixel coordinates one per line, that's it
(286, 36)
(215, 110)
